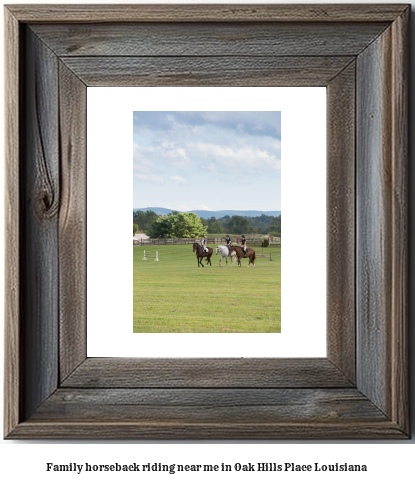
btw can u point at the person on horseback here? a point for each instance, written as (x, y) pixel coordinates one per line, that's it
(243, 245)
(203, 243)
(228, 244)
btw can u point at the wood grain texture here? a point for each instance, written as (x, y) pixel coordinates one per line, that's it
(72, 222)
(198, 39)
(13, 380)
(374, 221)
(40, 204)
(400, 233)
(206, 373)
(382, 239)
(206, 13)
(206, 71)
(160, 430)
(341, 238)
(204, 405)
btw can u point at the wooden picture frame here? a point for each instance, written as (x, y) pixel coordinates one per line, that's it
(360, 53)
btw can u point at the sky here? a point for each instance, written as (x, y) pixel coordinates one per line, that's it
(207, 160)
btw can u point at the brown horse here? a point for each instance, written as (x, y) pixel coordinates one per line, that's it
(250, 253)
(200, 254)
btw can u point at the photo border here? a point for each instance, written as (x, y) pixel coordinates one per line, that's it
(52, 390)
(304, 112)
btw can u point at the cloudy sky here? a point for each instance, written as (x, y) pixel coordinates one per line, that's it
(207, 160)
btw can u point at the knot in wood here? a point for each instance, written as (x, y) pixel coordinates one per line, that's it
(46, 206)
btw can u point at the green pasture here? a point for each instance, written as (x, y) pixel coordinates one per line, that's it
(174, 295)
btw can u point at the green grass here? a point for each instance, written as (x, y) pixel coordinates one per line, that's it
(174, 295)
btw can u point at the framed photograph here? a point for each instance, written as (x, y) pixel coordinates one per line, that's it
(211, 176)
(54, 388)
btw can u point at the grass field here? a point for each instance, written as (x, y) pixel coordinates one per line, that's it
(174, 295)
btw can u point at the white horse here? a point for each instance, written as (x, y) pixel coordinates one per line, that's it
(224, 253)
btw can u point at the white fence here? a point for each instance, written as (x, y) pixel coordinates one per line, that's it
(151, 255)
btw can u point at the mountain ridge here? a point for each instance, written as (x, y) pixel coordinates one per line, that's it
(207, 214)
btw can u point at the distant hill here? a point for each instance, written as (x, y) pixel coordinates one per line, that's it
(157, 210)
(207, 214)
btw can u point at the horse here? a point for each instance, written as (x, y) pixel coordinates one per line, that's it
(224, 253)
(250, 253)
(200, 254)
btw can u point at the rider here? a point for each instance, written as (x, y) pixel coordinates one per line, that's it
(203, 242)
(228, 243)
(243, 245)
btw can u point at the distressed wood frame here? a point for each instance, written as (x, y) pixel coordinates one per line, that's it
(359, 52)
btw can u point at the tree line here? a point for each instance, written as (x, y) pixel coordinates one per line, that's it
(177, 225)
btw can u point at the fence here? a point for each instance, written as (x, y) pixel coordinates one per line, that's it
(165, 242)
(252, 241)
(151, 255)
(259, 240)
(264, 255)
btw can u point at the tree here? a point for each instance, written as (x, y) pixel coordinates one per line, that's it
(274, 228)
(135, 229)
(204, 221)
(214, 226)
(239, 225)
(161, 227)
(178, 225)
(144, 220)
(260, 223)
(187, 225)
